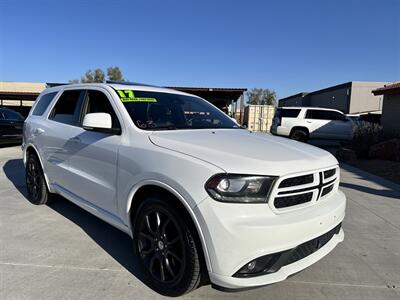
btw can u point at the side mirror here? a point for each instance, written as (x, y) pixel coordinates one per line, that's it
(99, 122)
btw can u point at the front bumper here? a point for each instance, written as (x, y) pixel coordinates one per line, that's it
(240, 233)
(280, 130)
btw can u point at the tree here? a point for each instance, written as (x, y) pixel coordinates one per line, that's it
(114, 73)
(93, 76)
(261, 97)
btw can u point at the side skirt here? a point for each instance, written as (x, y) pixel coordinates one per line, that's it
(93, 209)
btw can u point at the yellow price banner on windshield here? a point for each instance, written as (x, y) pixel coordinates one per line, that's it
(129, 96)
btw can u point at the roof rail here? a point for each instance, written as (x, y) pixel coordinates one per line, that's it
(53, 84)
(130, 83)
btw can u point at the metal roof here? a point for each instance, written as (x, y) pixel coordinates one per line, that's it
(302, 94)
(387, 89)
(21, 87)
(203, 89)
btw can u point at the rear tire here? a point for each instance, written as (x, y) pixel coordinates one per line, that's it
(166, 248)
(38, 193)
(299, 135)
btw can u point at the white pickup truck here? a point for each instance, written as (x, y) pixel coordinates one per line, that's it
(302, 123)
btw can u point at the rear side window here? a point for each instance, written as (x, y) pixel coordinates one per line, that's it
(287, 113)
(323, 115)
(68, 107)
(43, 103)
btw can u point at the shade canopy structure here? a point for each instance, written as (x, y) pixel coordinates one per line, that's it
(19, 96)
(388, 89)
(223, 98)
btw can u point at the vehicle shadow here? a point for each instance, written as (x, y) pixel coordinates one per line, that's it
(390, 189)
(384, 193)
(15, 172)
(113, 241)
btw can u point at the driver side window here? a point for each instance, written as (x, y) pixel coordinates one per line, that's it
(337, 116)
(97, 102)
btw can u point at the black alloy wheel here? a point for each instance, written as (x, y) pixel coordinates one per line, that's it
(35, 181)
(299, 135)
(166, 249)
(161, 246)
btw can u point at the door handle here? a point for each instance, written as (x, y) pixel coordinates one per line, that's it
(38, 131)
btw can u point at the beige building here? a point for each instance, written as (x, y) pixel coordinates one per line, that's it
(391, 108)
(351, 98)
(259, 117)
(19, 96)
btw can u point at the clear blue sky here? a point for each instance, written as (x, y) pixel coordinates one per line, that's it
(289, 46)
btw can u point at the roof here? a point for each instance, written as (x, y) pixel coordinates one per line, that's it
(335, 87)
(20, 90)
(308, 107)
(388, 89)
(179, 88)
(302, 94)
(117, 86)
(348, 84)
(21, 87)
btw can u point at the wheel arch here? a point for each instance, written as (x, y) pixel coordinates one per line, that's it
(31, 149)
(152, 187)
(303, 128)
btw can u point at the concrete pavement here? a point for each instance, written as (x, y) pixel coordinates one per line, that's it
(61, 252)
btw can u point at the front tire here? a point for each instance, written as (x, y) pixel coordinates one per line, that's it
(35, 181)
(299, 135)
(166, 248)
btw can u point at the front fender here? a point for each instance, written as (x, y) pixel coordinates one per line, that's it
(173, 191)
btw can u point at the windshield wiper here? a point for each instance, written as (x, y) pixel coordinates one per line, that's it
(164, 128)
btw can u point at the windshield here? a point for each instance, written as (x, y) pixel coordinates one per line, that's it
(164, 111)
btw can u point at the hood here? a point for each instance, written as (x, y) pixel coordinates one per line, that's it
(243, 152)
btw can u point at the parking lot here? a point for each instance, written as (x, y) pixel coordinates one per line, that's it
(59, 251)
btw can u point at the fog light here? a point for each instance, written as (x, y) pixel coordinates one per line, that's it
(259, 266)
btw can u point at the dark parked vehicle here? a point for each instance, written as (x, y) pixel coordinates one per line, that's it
(374, 118)
(11, 123)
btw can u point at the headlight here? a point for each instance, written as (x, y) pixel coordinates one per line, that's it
(239, 188)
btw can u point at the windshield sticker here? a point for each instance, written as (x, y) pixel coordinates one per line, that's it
(129, 96)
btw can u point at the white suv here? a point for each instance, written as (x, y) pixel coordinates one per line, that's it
(203, 199)
(302, 123)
